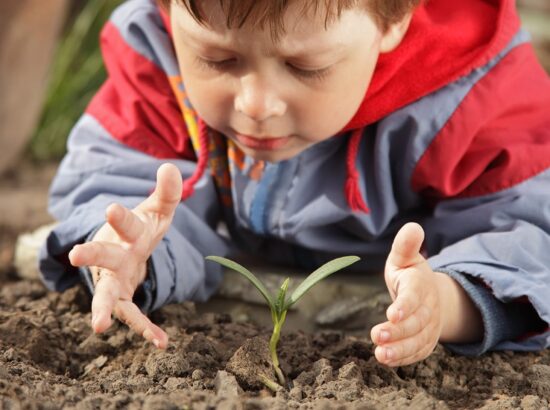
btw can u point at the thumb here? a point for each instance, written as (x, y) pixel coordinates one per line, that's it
(167, 194)
(405, 250)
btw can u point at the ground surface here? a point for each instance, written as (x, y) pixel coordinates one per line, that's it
(50, 359)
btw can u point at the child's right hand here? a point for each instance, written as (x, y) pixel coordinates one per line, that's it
(118, 254)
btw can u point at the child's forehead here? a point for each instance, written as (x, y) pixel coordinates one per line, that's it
(300, 30)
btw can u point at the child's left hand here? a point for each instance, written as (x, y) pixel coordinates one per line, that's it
(415, 317)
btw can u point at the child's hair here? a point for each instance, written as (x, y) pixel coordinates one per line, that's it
(271, 12)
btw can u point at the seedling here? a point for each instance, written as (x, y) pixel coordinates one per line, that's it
(280, 304)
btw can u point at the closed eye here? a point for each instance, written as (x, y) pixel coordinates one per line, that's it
(317, 74)
(219, 65)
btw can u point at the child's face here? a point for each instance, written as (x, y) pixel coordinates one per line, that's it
(274, 99)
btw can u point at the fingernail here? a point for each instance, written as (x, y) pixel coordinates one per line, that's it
(389, 354)
(156, 342)
(93, 321)
(384, 335)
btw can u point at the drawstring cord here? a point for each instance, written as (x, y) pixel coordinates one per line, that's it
(189, 183)
(352, 191)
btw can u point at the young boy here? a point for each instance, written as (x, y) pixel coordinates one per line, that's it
(315, 130)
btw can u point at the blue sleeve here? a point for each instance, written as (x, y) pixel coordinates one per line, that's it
(501, 321)
(98, 171)
(497, 248)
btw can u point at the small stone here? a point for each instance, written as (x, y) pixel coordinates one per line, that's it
(350, 371)
(448, 382)
(305, 379)
(350, 391)
(342, 311)
(9, 355)
(296, 393)
(175, 383)
(197, 374)
(323, 370)
(226, 384)
(96, 364)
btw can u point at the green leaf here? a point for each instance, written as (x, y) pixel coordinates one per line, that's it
(247, 274)
(281, 298)
(321, 273)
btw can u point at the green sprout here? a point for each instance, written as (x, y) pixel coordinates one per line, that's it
(280, 304)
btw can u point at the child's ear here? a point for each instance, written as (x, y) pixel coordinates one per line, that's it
(395, 33)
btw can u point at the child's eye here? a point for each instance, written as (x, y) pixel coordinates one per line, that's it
(216, 64)
(318, 74)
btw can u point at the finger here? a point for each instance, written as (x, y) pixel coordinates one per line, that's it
(106, 255)
(124, 222)
(405, 250)
(423, 353)
(106, 294)
(390, 356)
(411, 292)
(395, 353)
(167, 194)
(389, 332)
(128, 313)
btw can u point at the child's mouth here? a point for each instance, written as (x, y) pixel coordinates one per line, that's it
(264, 143)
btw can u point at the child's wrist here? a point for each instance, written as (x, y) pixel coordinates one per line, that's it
(461, 320)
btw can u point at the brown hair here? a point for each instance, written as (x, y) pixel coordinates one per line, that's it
(271, 12)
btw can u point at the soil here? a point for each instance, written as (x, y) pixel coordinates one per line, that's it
(49, 358)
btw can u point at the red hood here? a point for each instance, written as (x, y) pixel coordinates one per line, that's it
(446, 40)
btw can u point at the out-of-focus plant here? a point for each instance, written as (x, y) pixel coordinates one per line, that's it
(76, 74)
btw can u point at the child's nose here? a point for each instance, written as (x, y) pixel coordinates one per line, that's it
(257, 100)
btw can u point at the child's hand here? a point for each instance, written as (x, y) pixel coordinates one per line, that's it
(427, 307)
(118, 254)
(415, 321)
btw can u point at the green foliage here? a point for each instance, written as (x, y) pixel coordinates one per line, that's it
(76, 74)
(321, 273)
(279, 304)
(246, 273)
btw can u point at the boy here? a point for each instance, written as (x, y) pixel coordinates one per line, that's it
(325, 128)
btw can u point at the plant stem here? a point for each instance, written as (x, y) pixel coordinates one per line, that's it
(270, 384)
(273, 347)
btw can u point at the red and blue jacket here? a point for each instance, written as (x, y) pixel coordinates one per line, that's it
(453, 133)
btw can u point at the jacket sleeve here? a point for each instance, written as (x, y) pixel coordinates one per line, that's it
(133, 125)
(99, 170)
(487, 176)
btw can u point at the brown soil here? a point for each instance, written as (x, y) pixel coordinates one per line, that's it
(50, 359)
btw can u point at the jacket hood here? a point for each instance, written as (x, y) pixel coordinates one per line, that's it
(445, 41)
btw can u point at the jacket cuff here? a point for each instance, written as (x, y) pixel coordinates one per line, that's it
(501, 321)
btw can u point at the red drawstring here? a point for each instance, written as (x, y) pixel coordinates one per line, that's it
(188, 184)
(352, 192)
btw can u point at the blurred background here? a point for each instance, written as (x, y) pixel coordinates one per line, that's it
(50, 66)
